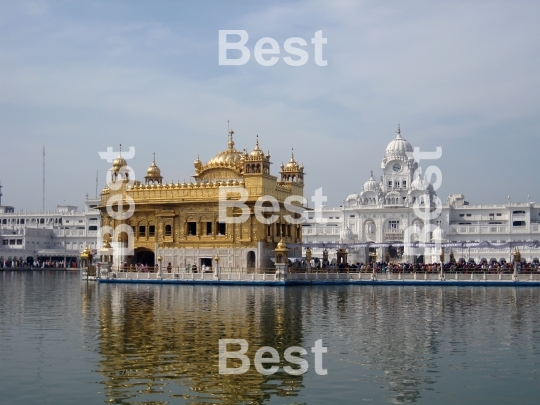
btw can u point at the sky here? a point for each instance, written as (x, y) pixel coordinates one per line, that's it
(79, 77)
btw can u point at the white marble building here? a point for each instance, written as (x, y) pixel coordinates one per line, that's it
(50, 235)
(389, 211)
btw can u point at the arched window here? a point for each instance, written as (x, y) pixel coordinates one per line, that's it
(370, 227)
(168, 230)
(251, 260)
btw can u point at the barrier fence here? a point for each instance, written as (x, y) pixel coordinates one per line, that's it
(314, 276)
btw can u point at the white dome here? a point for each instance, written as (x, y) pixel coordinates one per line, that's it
(352, 197)
(346, 234)
(398, 147)
(371, 184)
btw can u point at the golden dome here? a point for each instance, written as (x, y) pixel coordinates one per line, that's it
(153, 170)
(198, 164)
(229, 156)
(292, 166)
(85, 253)
(281, 245)
(257, 152)
(119, 162)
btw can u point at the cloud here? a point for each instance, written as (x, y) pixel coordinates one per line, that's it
(83, 78)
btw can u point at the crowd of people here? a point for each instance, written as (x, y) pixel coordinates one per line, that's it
(140, 267)
(36, 264)
(144, 268)
(392, 267)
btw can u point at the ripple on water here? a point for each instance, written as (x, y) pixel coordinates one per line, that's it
(64, 341)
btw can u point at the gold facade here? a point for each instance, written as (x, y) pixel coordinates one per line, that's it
(181, 220)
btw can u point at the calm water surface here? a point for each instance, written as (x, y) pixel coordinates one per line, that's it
(64, 341)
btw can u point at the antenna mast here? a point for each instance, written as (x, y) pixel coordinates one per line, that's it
(97, 174)
(43, 178)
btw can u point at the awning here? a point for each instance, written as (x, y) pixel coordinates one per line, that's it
(476, 245)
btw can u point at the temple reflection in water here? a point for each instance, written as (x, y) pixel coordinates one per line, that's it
(165, 341)
(158, 343)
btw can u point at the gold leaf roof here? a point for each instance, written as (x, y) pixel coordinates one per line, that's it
(153, 170)
(119, 162)
(257, 153)
(228, 157)
(292, 166)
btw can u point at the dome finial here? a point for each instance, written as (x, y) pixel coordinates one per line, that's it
(292, 154)
(371, 173)
(198, 164)
(154, 157)
(257, 141)
(231, 142)
(120, 149)
(399, 129)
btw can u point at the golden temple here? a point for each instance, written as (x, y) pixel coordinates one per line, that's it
(181, 221)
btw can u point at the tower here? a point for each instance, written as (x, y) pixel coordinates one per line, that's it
(257, 162)
(292, 172)
(398, 168)
(118, 167)
(153, 174)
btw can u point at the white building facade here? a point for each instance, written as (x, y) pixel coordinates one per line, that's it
(58, 235)
(399, 217)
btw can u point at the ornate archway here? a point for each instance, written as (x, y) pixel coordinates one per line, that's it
(144, 256)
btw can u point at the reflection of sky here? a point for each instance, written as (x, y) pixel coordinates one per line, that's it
(64, 342)
(432, 345)
(401, 344)
(80, 76)
(45, 353)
